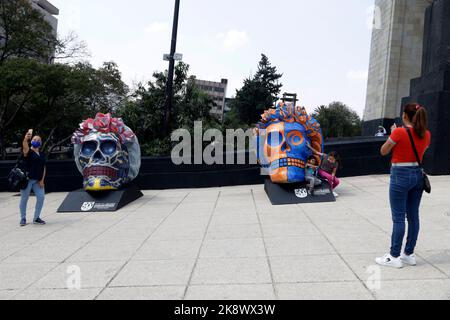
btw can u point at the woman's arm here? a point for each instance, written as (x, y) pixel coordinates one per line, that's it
(314, 150)
(25, 146)
(386, 149)
(334, 172)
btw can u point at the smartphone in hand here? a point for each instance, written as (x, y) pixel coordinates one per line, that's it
(394, 126)
(30, 134)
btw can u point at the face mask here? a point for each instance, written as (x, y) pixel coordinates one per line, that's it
(36, 144)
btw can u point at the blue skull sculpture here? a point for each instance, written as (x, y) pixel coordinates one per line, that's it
(284, 135)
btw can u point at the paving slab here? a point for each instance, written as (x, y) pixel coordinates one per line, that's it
(232, 271)
(354, 290)
(233, 248)
(21, 276)
(143, 293)
(8, 294)
(317, 268)
(155, 273)
(235, 231)
(225, 243)
(168, 250)
(298, 246)
(231, 292)
(414, 290)
(57, 294)
(83, 275)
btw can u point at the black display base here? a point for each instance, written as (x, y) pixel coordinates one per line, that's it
(297, 193)
(106, 201)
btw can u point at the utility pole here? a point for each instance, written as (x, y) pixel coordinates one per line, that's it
(171, 58)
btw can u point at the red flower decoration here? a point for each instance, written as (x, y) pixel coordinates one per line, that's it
(103, 123)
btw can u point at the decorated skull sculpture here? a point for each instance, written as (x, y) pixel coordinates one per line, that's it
(284, 135)
(107, 153)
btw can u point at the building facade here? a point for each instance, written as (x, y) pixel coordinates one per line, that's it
(395, 59)
(49, 11)
(217, 91)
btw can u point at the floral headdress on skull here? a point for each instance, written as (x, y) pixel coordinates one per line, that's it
(104, 123)
(287, 112)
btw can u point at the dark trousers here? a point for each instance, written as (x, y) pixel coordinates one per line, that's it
(405, 193)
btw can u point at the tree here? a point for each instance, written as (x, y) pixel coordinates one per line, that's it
(107, 90)
(338, 120)
(70, 94)
(70, 48)
(258, 93)
(144, 111)
(24, 33)
(54, 98)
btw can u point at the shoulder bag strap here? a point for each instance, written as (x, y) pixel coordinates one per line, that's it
(414, 147)
(20, 158)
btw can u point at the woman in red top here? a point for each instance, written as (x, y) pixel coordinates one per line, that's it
(406, 188)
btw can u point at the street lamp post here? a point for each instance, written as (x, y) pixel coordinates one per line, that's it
(171, 58)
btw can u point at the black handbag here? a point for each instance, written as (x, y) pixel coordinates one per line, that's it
(426, 180)
(18, 177)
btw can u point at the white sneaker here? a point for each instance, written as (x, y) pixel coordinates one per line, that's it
(335, 194)
(409, 260)
(390, 261)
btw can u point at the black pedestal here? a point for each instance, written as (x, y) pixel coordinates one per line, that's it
(297, 193)
(432, 89)
(106, 201)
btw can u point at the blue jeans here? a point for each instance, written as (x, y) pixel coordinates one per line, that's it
(405, 194)
(25, 195)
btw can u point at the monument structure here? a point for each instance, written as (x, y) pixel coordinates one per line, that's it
(396, 56)
(432, 88)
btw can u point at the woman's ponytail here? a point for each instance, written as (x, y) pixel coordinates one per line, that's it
(419, 118)
(420, 122)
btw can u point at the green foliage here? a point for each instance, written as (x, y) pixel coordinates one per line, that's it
(53, 99)
(144, 111)
(24, 32)
(258, 93)
(338, 120)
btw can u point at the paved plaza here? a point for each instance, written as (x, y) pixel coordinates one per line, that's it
(225, 243)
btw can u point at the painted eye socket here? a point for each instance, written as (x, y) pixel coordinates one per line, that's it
(88, 149)
(295, 138)
(275, 138)
(108, 147)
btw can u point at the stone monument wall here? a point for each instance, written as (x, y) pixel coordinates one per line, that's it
(432, 89)
(396, 56)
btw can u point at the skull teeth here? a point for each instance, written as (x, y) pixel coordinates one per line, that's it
(287, 162)
(100, 171)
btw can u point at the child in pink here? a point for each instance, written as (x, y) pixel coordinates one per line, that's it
(328, 168)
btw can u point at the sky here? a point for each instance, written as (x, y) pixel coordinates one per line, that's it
(322, 47)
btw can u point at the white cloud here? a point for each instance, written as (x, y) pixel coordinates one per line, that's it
(157, 27)
(233, 40)
(361, 75)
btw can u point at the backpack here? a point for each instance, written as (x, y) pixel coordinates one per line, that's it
(18, 177)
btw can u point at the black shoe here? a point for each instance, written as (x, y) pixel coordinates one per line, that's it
(23, 222)
(39, 221)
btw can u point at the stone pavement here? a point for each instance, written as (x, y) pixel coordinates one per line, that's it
(225, 243)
